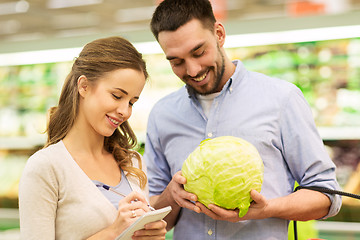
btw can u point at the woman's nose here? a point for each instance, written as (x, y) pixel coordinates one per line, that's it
(124, 110)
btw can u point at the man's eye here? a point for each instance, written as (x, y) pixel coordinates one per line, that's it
(176, 63)
(199, 54)
(116, 97)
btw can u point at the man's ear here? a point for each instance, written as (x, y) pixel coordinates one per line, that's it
(220, 33)
(83, 85)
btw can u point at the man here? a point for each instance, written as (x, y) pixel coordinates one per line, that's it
(222, 98)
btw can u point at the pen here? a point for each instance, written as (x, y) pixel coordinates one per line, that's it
(121, 194)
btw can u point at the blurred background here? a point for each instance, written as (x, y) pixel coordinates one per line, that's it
(313, 43)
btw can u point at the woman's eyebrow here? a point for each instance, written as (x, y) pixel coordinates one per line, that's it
(122, 90)
(126, 93)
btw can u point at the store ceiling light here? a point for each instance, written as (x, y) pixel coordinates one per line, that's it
(75, 20)
(241, 40)
(70, 3)
(35, 57)
(7, 8)
(134, 14)
(126, 28)
(25, 37)
(77, 32)
(293, 36)
(9, 26)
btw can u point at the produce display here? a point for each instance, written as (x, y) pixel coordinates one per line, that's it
(11, 167)
(223, 171)
(346, 156)
(327, 72)
(26, 93)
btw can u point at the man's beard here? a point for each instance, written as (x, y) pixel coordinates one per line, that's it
(218, 77)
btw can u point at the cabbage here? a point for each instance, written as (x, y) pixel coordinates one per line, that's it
(223, 171)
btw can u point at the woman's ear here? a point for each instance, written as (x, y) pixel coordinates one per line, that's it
(83, 85)
(220, 33)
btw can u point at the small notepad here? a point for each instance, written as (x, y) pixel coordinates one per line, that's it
(148, 217)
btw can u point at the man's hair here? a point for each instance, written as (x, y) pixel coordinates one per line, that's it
(172, 14)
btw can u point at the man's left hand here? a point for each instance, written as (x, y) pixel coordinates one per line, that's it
(256, 210)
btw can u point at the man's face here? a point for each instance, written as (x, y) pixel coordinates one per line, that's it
(195, 56)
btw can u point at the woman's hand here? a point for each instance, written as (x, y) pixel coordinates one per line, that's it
(154, 230)
(130, 209)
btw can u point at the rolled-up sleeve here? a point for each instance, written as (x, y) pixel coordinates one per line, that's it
(304, 150)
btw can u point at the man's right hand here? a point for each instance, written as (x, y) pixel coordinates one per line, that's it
(175, 196)
(179, 195)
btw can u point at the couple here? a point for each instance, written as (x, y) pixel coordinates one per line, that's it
(90, 142)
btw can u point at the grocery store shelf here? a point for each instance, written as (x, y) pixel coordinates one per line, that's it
(22, 142)
(344, 227)
(11, 234)
(14, 143)
(9, 213)
(236, 26)
(339, 133)
(233, 41)
(9, 224)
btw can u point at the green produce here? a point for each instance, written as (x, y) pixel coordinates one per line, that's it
(223, 171)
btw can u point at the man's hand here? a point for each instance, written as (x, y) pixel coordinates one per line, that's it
(175, 196)
(256, 210)
(179, 195)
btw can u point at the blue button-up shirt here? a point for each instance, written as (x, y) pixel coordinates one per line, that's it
(270, 113)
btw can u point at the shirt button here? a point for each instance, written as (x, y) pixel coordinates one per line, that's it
(210, 135)
(210, 232)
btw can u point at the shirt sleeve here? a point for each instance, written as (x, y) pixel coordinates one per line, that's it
(304, 150)
(158, 170)
(134, 182)
(37, 200)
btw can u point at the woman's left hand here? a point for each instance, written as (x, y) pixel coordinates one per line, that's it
(154, 230)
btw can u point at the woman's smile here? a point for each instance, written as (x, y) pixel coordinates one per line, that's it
(114, 121)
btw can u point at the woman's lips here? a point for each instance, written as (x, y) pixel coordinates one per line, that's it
(114, 121)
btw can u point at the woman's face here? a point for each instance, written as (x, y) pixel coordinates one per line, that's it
(106, 104)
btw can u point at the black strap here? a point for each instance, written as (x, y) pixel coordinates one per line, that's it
(323, 190)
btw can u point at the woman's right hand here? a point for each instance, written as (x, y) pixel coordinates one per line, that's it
(130, 209)
(136, 204)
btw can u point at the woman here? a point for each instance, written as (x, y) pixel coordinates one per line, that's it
(61, 194)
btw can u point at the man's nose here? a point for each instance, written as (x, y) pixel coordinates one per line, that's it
(192, 68)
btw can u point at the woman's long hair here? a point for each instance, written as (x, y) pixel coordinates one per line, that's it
(97, 58)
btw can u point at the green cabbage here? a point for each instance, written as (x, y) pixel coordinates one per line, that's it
(223, 171)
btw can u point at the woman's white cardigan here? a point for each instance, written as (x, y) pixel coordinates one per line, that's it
(57, 200)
